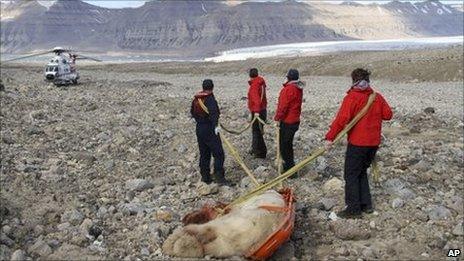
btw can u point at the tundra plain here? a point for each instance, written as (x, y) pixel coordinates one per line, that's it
(107, 168)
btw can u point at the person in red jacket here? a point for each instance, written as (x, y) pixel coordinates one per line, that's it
(288, 116)
(363, 141)
(257, 104)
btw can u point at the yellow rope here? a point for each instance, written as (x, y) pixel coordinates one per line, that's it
(281, 177)
(232, 150)
(239, 131)
(317, 153)
(203, 106)
(255, 118)
(262, 122)
(239, 160)
(205, 109)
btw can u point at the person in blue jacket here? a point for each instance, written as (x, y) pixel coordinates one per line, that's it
(205, 111)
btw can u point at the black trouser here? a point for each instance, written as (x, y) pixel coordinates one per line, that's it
(287, 133)
(209, 144)
(357, 192)
(258, 146)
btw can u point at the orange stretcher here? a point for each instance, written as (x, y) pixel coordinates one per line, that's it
(282, 233)
(265, 249)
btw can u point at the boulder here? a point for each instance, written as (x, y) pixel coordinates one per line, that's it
(422, 166)
(18, 255)
(261, 171)
(138, 185)
(132, 208)
(438, 212)
(85, 226)
(397, 203)
(72, 216)
(84, 157)
(457, 230)
(321, 164)
(5, 240)
(40, 248)
(456, 203)
(246, 182)
(164, 214)
(332, 185)
(5, 252)
(327, 203)
(397, 187)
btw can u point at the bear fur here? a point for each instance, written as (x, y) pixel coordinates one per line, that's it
(233, 234)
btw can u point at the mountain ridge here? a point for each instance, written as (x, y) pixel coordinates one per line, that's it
(202, 28)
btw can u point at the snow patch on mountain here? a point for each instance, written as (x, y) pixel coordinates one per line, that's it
(308, 49)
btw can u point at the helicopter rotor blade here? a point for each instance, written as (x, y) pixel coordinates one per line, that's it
(28, 56)
(80, 56)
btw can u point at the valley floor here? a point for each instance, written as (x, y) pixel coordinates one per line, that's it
(68, 153)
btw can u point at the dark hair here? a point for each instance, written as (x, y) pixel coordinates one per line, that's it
(293, 75)
(208, 85)
(253, 73)
(360, 74)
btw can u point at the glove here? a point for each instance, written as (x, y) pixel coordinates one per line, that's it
(216, 130)
(328, 145)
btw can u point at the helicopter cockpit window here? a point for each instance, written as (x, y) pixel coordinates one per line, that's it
(51, 69)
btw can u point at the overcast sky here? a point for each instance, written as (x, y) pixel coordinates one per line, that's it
(137, 3)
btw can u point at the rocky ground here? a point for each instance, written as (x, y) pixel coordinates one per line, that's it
(107, 168)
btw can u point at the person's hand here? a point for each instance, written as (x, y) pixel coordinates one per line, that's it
(277, 124)
(328, 145)
(255, 115)
(217, 130)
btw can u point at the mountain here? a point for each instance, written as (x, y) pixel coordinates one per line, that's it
(200, 28)
(10, 10)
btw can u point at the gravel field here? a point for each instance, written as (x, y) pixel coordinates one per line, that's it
(107, 168)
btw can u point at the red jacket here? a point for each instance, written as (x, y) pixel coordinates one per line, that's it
(289, 105)
(257, 100)
(367, 131)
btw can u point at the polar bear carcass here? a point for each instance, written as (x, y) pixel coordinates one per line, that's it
(233, 234)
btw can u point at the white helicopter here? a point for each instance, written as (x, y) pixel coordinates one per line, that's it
(61, 70)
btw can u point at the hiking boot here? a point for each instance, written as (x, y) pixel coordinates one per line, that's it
(346, 214)
(206, 177)
(367, 210)
(220, 179)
